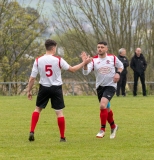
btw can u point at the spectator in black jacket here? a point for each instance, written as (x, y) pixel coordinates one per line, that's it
(138, 65)
(121, 85)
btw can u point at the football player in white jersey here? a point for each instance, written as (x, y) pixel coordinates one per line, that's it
(103, 65)
(49, 68)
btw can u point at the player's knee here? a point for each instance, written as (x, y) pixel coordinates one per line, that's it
(38, 109)
(59, 113)
(102, 106)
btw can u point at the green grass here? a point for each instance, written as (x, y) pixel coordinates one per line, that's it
(134, 140)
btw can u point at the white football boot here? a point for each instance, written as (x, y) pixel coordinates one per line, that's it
(100, 134)
(113, 132)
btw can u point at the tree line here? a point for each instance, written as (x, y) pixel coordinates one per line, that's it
(78, 26)
(127, 24)
(20, 40)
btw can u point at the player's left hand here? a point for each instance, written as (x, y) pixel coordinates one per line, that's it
(116, 78)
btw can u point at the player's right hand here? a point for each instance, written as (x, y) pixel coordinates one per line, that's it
(29, 95)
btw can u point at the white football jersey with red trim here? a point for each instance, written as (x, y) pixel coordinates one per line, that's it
(104, 69)
(49, 67)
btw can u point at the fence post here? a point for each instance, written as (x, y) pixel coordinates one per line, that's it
(9, 88)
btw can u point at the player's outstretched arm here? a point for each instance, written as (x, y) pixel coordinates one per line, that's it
(77, 67)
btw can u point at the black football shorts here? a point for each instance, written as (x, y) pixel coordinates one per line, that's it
(106, 91)
(54, 93)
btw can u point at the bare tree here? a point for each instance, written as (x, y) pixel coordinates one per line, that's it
(122, 23)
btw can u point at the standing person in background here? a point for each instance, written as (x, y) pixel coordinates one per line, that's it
(121, 85)
(139, 65)
(49, 68)
(103, 65)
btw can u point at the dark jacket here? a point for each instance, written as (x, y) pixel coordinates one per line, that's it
(138, 64)
(125, 62)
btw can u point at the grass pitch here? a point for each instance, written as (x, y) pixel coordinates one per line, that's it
(134, 140)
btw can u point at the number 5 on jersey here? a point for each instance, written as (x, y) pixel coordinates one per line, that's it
(49, 70)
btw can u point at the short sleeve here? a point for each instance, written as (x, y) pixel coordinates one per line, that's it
(34, 69)
(64, 64)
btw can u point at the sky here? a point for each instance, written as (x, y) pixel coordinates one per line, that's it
(33, 3)
(46, 8)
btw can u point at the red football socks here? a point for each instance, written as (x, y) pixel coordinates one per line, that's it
(61, 124)
(110, 119)
(103, 118)
(34, 120)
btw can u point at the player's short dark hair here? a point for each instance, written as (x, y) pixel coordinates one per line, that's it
(49, 44)
(103, 42)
